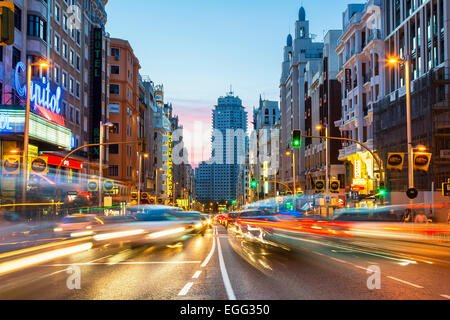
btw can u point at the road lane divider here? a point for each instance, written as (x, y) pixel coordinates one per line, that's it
(196, 275)
(186, 289)
(223, 270)
(405, 282)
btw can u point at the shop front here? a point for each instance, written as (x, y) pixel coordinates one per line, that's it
(44, 136)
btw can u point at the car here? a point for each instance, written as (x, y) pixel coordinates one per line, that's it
(380, 214)
(77, 223)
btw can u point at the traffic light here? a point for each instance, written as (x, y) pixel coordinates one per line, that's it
(382, 193)
(254, 184)
(6, 23)
(296, 139)
(382, 190)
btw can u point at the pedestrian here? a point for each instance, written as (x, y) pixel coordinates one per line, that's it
(421, 218)
(407, 215)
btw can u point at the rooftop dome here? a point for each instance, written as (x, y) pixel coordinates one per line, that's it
(289, 41)
(302, 14)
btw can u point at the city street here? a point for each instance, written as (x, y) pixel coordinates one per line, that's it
(219, 266)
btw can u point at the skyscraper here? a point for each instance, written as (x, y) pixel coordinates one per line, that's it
(219, 178)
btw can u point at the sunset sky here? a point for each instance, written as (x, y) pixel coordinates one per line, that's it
(204, 46)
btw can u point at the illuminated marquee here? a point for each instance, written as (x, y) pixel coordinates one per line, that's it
(41, 94)
(169, 173)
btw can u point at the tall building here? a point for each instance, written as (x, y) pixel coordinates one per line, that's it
(264, 165)
(45, 30)
(323, 107)
(297, 53)
(418, 30)
(125, 114)
(221, 178)
(162, 147)
(361, 55)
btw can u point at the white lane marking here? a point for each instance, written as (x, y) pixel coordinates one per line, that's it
(122, 263)
(223, 269)
(196, 275)
(445, 296)
(406, 282)
(186, 289)
(362, 268)
(338, 260)
(205, 263)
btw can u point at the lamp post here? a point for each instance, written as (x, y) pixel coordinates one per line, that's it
(145, 155)
(100, 161)
(327, 164)
(26, 134)
(405, 62)
(293, 169)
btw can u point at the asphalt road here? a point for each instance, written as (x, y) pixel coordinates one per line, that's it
(221, 266)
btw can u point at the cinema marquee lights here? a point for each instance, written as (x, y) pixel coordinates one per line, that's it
(41, 94)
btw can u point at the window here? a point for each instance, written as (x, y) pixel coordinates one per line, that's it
(77, 90)
(77, 116)
(15, 56)
(71, 86)
(64, 79)
(115, 52)
(57, 14)
(72, 58)
(64, 22)
(114, 88)
(65, 52)
(37, 27)
(113, 170)
(115, 69)
(57, 43)
(114, 149)
(18, 18)
(56, 74)
(78, 63)
(115, 129)
(71, 113)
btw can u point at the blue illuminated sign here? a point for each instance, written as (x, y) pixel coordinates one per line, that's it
(5, 123)
(41, 94)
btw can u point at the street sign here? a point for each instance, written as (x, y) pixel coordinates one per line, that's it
(108, 185)
(395, 161)
(446, 189)
(319, 186)
(92, 185)
(11, 165)
(335, 186)
(412, 193)
(39, 165)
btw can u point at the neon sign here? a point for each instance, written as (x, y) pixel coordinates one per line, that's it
(41, 94)
(5, 123)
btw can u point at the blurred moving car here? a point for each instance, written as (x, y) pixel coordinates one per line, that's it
(379, 214)
(77, 222)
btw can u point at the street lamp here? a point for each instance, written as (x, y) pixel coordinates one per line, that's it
(145, 155)
(288, 153)
(100, 161)
(26, 135)
(405, 62)
(327, 178)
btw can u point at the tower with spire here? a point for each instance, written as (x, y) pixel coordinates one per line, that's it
(298, 51)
